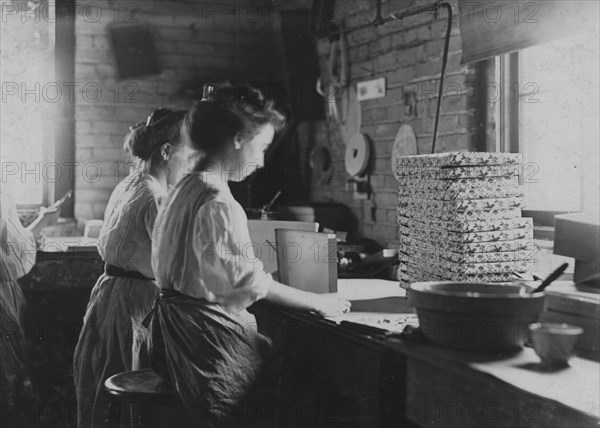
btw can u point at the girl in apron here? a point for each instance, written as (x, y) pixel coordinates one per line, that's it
(204, 340)
(112, 339)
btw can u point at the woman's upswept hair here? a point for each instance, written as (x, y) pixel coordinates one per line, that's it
(145, 138)
(213, 123)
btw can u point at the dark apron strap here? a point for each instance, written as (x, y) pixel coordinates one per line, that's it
(122, 273)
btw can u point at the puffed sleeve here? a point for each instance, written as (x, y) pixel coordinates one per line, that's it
(150, 213)
(229, 269)
(151, 205)
(17, 244)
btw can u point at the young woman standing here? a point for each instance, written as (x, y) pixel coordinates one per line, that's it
(204, 339)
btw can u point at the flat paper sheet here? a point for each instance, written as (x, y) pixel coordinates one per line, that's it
(361, 290)
(366, 288)
(385, 321)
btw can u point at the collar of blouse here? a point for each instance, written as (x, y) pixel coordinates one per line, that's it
(215, 179)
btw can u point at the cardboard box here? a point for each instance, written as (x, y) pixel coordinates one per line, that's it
(578, 236)
(307, 260)
(262, 236)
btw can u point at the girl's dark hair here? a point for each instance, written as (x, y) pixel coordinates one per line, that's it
(228, 111)
(145, 138)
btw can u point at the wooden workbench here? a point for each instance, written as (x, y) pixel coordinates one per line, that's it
(329, 375)
(335, 376)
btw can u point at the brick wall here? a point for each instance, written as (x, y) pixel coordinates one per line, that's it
(408, 54)
(237, 41)
(194, 42)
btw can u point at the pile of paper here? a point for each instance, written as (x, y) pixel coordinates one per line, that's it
(460, 218)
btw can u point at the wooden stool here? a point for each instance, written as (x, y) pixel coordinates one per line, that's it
(150, 400)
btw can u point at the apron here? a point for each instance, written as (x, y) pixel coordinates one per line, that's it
(213, 358)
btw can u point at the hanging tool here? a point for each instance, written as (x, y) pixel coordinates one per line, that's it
(395, 16)
(339, 76)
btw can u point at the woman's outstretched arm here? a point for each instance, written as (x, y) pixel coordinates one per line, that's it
(327, 305)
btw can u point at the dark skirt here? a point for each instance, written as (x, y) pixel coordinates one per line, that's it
(112, 340)
(213, 359)
(13, 377)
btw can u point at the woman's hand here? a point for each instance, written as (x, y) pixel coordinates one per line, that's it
(330, 305)
(49, 216)
(326, 305)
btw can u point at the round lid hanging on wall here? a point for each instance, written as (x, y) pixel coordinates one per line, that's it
(356, 158)
(405, 144)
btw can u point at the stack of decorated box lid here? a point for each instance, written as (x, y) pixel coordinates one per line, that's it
(460, 218)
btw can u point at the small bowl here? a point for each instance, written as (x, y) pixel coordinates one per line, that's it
(554, 342)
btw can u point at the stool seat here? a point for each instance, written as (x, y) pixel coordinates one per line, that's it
(142, 398)
(140, 384)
